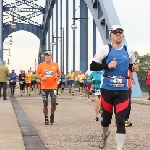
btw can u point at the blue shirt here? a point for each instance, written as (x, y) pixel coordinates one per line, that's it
(121, 69)
(13, 76)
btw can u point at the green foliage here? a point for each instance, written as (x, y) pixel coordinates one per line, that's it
(144, 63)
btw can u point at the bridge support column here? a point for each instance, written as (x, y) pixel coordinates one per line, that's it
(49, 34)
(94, 38)
(1, 31)
(57, 31)
(61, 59)
(74, 56)
(52, 21)
(67, 34)
(83, 36)
(43, 49)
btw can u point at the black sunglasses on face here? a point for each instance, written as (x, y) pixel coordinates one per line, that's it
(115, 32)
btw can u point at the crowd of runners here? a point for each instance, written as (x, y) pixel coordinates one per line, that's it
(107, 82)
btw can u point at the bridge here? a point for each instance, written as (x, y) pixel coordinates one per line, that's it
(57, 25)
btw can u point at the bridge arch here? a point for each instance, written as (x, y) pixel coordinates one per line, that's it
(36, 30)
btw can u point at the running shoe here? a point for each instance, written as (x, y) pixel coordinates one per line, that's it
(128, 123)
(97, 119)
(103, 139)
(52, 119)
(46, 121)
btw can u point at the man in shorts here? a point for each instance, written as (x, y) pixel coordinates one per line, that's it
(80, 79)
(115, 59)
(48, 72)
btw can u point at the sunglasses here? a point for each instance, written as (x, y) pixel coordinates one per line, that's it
(115, 31)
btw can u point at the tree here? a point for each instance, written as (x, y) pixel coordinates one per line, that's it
(144, 63)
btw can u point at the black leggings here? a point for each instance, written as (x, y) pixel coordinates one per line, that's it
(118, 99)
(12, 87)
(129, 106)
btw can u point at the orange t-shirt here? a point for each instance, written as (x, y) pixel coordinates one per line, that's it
(129, 80)
(49, 71)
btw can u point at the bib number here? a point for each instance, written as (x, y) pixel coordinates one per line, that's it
(117, 82)
(48, 73)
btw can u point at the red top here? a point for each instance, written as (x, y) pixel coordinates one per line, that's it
(148, 79)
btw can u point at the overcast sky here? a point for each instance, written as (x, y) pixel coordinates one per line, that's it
(134, 18)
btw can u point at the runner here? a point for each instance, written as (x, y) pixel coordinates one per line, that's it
(21, 81)
(148, 82)
(116, 59)
(28, 78)
(34, 82)
(62, 82)
(80, 79)
(12, 82)
(89, 84)
(95, 78)
(71, 79)
(130, 82)
(85, 85)
(48, 72)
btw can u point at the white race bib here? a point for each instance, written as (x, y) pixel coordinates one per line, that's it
(48, 73)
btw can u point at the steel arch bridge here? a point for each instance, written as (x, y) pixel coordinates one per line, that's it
(55, 14)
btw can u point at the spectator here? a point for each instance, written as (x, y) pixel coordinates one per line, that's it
(148, 82)
(4, 74)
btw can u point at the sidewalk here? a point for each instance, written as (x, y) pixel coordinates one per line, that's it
(142, 100)
(10, 136)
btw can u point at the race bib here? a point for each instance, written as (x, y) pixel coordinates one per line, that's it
(48, 73)
(117, 82)
(11, 81)
(80, 78)
(71, 77)
(97, 92)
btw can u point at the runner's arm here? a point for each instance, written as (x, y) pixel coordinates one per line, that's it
(97, 64)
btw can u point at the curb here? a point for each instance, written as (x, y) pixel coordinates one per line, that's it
(140, 101)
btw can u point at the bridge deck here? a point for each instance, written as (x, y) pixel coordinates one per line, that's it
(74, 128)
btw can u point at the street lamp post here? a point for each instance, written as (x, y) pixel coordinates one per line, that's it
(54, 43)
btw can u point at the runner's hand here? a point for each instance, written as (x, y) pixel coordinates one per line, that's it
(112, 64)
(43, 78)
(133, 81)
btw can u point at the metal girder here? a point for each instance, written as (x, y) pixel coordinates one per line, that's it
(104, 15)
(26, 27)
(13, 8)
(22, 18)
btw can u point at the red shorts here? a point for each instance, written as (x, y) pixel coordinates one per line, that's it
(28, 84)
(39, 83)
(89, 86)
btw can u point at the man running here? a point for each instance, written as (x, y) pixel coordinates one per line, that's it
(21, 81)
(89, 84)
(130, 82)
(28, 77)
(33, 81)
(115, 59)
(12, 82)
(62, 81)
(80, 79)
(48, 72)
(71, 78)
